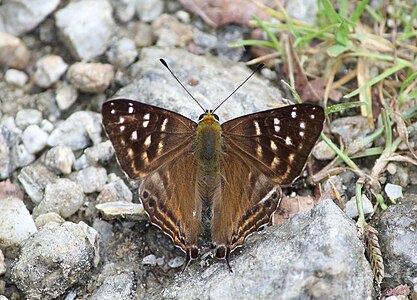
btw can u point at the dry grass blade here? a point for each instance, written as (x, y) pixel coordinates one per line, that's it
(374, 253)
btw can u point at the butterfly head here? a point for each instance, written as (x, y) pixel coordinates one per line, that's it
(208, 117)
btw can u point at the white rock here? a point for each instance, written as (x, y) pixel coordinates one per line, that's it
(16, 77)
(60, 159)
(352, 211)
(49, 69)
(13, 52)
(86, 27)
(149, 260)
(91, 179)
(2, 266)
(66, 95)
(34, 138)
(23, 156)
(149, 10)
(16, 222)
(90, 77)
(26, 117)
(393, 191)
(122, 53)
(21, 16)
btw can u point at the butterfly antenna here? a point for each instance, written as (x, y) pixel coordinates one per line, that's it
(172, 73)
(260, 66)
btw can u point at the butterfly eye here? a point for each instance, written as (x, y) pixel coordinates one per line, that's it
(201, 117)
(216, 117)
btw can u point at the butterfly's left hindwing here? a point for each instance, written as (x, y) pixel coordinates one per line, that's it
(146, 137)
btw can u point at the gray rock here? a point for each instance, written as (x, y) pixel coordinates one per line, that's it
(16, 77)
(319, 257)
(49, 69)
(100, 153)
(47, 126)
(22, 156)
(34, 179)
(26, 117)
(16, 222)
(304, 10)
(156, 86)
(170, 32)
(91, 77)
(115, 190)
(149, 260)
(60, 159)
(124, 10)
(398, 240)
(63, 196)
(13, 52)
(34, 138)
(205, 41)
(149, 10)
(226, 35)
(116, 287)
(351, 208)
(81, 163)
(86, 27)
(8, 140)
(176, 262)
(122, 53)
(54, 259)
(77, 131)
(2, 264)
(393, 191)
(91, 179)
(350, 129)
(21, 16)
(322, 151)
(66, 95)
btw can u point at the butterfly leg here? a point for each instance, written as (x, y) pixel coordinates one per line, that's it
(223, 252)
(191, 254)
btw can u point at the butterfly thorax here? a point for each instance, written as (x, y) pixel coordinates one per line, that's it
(208, 146)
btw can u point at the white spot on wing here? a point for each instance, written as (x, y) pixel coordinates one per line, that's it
(257, 128)
(294, 108)
(131, 109)
(276, 121)
(277, 128)
(113, 111)
(273, 145)
(164, 124)
(312, 116)
(134, 136)
(122, 128)
(130, 152)
(293, 114)
(146, 116)
(291, 157)
(275, 162)
(303, 125)
(147, 141)
(301, 133)
(259, 150)
(288, 141)
(121, 120)
(145, 124)
(112, 103)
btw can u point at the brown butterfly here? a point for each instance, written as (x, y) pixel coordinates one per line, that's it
(236, 168)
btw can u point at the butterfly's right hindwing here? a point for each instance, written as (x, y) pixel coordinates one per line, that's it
(145, 137)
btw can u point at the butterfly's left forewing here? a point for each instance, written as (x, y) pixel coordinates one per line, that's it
(261, 152)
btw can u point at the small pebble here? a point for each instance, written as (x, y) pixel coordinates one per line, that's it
(122, 53)
(322, 151)
(16, 77)
(100, 153)
(183, 16)
(81, 163)
(149, 260)
(13, 52)
(91, 77)
(393, 191)
(49, 69)
(34, 179)
(119, 286)
(63, 196)
(47, 126)
(66, 95)
(116, 190)
(34, 138)
(26, 117)
(352, 211)
(91, 179)
(149, 10)
(16, 222)
(170, 32)
(22, 156)
(60, 159)
(2, 264)
(142, 34)
(44, 219)
(176, 262)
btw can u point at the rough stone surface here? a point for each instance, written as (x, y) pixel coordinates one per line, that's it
(312, 256)
(170, 32)
(116, 287)
(149, 10)
(322, 151)
(20, 16)
(91, 179)
(215, 81)
(34, 179)
(16, 222)
(398, 240)
(13, 52)
(60, 159)
(49, 69)
(77, 131)
(100, 153)
(44, 219)
(54, 259)
(26, 117)
(2, 264)
(8, 141)
(115, 190)
(350, 129)
(91, 77)
(63, 196)
(351, 208)
(86, 27)
(66, 95)
(34, 138)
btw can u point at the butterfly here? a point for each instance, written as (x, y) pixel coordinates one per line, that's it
(236, 168)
